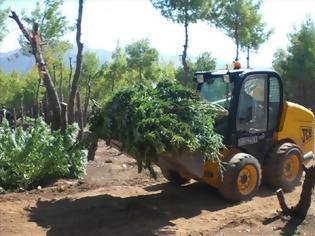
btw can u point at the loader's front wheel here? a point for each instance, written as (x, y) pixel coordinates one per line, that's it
(283, 168)
(241, 178)
(174, 177)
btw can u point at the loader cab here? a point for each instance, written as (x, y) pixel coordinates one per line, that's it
(253, 100)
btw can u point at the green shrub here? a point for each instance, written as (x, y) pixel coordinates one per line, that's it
(36, 156)
(150, 121)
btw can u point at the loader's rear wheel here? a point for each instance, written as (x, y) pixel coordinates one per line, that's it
(174, 177)
(283, 168)
(241, 178)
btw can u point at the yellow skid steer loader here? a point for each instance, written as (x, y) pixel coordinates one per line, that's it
(267, 137)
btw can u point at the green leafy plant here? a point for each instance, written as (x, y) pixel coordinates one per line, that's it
(151, 121)
(37, 155)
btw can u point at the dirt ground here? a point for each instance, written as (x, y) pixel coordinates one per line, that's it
(114, 199)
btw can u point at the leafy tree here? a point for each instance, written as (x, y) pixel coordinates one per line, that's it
(10, 84)
(240, 20)
(53, 25)
(181, 75)
(16, 89)
(27, 90)
(183, 12)
(163, 71)
(90, 66)
(117, 68)
(205, 62)
(140, 56)
(33, 37)
(279, 60)
(3, 17)
(297, 64)
(255, 33)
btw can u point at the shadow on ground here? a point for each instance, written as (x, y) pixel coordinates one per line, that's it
(288, 226)
(138, 215)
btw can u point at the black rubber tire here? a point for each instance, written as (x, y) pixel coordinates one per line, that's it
(228, 187)
(174, 177)
(274, 166)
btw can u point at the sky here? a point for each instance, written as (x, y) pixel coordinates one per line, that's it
(107, 22)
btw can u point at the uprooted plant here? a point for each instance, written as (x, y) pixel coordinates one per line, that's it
(150, 121)
(38, 155)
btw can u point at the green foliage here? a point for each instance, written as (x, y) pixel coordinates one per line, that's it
(53, 26)
(241, 21)
(279, 60)
(15, 87)
(36, 156)
(141, 57)
(90, 69)
(10, 84)
(180, 74)
(297, 63)
(164, 70)
(205, 62)
(90, 64)
(178, 10)
(117, 68)
(3, 17)
(185, 12)
(151, 121)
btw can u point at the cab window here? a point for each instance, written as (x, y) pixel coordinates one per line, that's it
(252, 109)
(274, 103)
(217, 91)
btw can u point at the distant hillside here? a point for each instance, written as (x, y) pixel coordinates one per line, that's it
(16, 61)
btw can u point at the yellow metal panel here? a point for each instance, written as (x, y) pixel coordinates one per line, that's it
(297, 124)
(212, 174)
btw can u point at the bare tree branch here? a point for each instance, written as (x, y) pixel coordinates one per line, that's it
(26, 34)
(77, 72)
(35, 41)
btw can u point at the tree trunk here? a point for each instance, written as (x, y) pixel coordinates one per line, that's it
(184, 56)
(45, 108)
(61, 84)
(247, 58)
(54, 75)
(35, 41)
(80, 120)
(37, 98)
(22, 110)
(300, 210)
(92, 150)
(70, 77)
(14, 117)
(76, 77)
(86, 102)
(237, 44)
(64, 117)
(40, 109)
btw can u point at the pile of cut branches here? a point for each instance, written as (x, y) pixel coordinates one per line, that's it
(150, 121)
